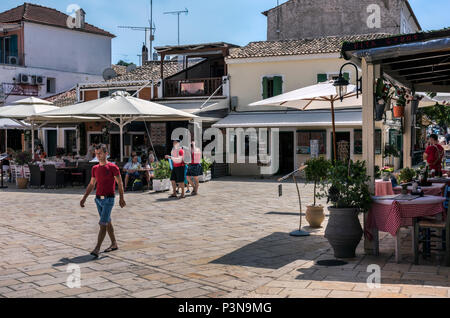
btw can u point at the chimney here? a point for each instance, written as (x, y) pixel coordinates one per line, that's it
(80, 19)
(144, 54)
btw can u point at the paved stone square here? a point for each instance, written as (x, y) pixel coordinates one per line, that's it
(230, 241)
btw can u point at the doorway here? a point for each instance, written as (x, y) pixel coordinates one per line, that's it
(115, 146)
(342, 145)
(51, 141)
(286, 152)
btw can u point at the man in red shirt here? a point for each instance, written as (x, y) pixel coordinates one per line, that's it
(177, 177)
(434, 154)
(105, 175)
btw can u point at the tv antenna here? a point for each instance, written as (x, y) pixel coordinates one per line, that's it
(178, 14)
(151, 28)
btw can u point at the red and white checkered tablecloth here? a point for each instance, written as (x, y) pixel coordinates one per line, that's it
(388, 215)
(436, 189)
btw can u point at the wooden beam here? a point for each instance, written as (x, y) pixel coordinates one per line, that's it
(416, 57)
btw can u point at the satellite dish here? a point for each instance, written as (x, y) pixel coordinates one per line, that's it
(108, 74)
(131, 67)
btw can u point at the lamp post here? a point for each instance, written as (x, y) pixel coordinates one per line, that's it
(341, 83)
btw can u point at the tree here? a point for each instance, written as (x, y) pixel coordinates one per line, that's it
(123, 63)
(439, 114)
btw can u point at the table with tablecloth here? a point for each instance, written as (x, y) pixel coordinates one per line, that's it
(390, 215)
(383, 188)
(436, 189)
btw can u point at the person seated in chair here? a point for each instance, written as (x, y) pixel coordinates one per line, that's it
(132, 168)
(134, 154)
(150, 173)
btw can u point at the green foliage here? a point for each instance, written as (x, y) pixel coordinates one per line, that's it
(401, 96)
(349, 186)
(316, 171)
(206, 164)
(407, 175)
(377, 172)
(439, 114)
(383, 90)
(22, 158)
(123, 63)
(162, 170)
(391, 150)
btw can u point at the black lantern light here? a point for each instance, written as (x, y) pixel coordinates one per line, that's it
(341, 83)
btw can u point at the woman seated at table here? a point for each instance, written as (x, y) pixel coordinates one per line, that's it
(40, 154)
(149, 174)
(132, 168)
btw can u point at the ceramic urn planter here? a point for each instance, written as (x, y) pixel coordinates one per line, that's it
(315, 216)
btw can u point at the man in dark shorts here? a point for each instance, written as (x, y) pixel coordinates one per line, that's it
(177, 177)
(105, 175)
(434, 154)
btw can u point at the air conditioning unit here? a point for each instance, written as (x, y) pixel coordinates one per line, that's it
(13, 60)
(25, 79)
(234, 103)
(37, 80)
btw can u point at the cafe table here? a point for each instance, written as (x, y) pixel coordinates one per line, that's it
(388, 214)
(436, 189)
(383, 188)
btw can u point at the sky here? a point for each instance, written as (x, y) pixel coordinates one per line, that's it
(233, 21)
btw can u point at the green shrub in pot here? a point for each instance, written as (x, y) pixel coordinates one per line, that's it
(162, 170)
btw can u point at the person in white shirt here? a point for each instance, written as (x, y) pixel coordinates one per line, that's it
(132, 168)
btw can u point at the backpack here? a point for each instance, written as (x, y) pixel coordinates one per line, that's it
(137, 185)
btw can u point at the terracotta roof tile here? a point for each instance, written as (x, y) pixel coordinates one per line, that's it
(43, 15)
(64, 99)
(330, 44)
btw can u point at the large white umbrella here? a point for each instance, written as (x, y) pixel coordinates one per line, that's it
(120, 109)
(25, 108)
(319, 96)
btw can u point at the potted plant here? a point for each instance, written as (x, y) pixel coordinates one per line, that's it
(383, 95)
(386, 173)
(316, 171)
(206, 166)
(161, 181)
(349, 194)
(406, 176)
(390, 151)
(399, 107)
(22, 158)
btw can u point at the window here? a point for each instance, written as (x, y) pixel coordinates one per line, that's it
(8, 48)
(272, 86)
(331, 77)
(304, 138)
(51, 85)
(104, 94)
(358, 142)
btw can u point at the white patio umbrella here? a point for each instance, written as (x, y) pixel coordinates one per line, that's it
(25, 108)
(120, 109)
(319, 96)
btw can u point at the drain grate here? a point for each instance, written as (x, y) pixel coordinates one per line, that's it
(331, 262)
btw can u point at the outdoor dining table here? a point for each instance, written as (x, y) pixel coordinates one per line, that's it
(383, 188)
(436, 189)
(440, 180)
(389, 215)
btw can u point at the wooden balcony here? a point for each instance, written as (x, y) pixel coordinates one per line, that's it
(193, 87)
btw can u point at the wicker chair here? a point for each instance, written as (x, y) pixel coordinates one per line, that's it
(53, 177)
(36, 179)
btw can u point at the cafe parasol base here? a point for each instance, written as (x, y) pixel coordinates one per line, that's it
(299, 233)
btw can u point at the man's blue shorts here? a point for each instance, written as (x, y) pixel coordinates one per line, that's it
(104, 208)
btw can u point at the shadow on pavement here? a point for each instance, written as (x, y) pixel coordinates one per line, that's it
(78, 260)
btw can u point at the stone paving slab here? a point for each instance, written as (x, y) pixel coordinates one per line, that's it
(230, 241)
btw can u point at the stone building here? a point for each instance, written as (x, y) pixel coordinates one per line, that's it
(300, 19)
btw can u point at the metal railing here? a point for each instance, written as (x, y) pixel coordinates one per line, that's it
(193, 87)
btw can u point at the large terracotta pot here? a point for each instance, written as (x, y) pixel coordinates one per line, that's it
(344, 232)
(22, 183)
(399, 111)
(315, 216)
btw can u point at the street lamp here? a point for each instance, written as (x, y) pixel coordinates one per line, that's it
(341, 83)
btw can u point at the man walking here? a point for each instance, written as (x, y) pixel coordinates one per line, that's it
(105, 175)
(177, 177)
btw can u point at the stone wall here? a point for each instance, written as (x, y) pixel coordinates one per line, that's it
(299, 19)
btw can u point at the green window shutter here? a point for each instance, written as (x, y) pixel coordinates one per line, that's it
(347, 76)
(277, 85)
(13, 49)
(322, 78)
(265, 87)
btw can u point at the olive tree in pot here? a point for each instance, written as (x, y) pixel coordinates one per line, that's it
(21, 159)
(349, 194)
(316, 171)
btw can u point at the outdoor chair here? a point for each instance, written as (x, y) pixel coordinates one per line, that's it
(36, 179)
(425, 229)
(77, 176)
(53, 177)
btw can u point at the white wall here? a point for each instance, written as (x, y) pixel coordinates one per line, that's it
(64, 80)
(66, 50)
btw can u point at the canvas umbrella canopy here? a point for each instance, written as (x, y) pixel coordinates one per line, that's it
(319, 96)
(120, 109)
(25, 108)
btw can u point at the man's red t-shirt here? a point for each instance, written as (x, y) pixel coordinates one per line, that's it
(180, 154)
(434, 155)
(105, 178)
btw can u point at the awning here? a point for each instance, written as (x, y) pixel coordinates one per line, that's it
(321, 118)
(209, 112)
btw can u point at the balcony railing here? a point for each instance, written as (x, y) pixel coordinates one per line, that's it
(193, 87)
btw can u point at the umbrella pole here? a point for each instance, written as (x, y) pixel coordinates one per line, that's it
(32, 139)
(6, 140)
(121, 139)
(334, 130)
(299, 232)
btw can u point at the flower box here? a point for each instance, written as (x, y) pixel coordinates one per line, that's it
(161, 185)
(205, 177)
